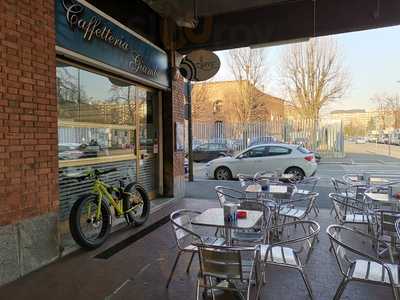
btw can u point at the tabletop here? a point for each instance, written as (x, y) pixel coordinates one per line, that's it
(215, 217)
(382, 197)
(372, 181)
(256, 188)
(253, 188)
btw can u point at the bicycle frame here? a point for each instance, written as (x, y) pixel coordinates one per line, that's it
(101, 190)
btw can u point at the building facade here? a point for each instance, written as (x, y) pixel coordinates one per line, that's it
(79, 89)
(230, 101)
(361, 121)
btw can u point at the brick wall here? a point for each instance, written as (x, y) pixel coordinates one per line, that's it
(28, 110)
(173, 111)
(178, 100)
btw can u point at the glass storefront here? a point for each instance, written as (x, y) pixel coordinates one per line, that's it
(104, 122)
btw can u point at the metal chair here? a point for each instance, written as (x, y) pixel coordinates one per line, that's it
(342, 188)
(246, 180)
(186, 237)
(352, 211)
(230, 195)
(258, 234)
(224, 268)
(397, 226)
(358, 266)
(312, 183)
(286, 253)
(386, 233)
(288, 209)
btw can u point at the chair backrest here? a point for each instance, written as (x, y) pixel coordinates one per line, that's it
(340, 186)
(311, 181)
(387, 221)
(397, 226)
(303, 241)
(229, 194)
(344, 204)
(339, 248)
(265, 207)
(345, 253)
(220, 262)
(182, 227)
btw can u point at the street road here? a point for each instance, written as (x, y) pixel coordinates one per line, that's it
(359, 158)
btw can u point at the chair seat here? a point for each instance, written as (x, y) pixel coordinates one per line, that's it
(358, 218)
(246, 236)
(292, 212)
(372, 271)
(280, 255)
(214, 241)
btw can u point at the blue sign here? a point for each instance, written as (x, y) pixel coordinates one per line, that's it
(81, 30)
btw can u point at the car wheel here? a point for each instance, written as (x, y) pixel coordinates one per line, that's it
(223, 173)
(297, 172)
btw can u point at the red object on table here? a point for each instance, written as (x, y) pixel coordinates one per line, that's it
(241, 214)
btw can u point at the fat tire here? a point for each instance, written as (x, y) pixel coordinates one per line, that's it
(137, 221)
(74, 222)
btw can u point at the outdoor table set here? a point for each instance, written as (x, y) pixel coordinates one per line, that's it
(250, 225)
(371, 202)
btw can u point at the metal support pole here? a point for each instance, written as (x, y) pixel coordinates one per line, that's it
(190, 130)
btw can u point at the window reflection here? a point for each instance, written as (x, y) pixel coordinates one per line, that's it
(97, 115)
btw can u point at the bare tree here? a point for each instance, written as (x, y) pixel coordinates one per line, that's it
(248, 68)
(313, 76)
(388, 106)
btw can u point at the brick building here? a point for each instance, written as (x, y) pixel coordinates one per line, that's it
(219, 101)
(72, 75)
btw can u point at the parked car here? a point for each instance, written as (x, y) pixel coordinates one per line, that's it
(372, 139)
(67, 151)
(262, 140)
(383, 139)
(210, 151)
(361, 140)
(290, 158)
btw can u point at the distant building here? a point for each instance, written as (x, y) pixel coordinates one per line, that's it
(223, 102)
(361, 118)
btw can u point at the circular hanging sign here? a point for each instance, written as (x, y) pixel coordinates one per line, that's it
(199, 65)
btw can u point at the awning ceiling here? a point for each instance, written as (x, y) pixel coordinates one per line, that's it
(226, 24)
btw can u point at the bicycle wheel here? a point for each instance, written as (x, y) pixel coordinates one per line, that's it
(136, 195)
(88, 231)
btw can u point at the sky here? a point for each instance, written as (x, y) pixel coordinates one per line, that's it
(371, 57)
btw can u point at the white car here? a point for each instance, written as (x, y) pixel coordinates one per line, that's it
(290, 158)
(361, 140)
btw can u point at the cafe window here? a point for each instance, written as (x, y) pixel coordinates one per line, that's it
(98, 116)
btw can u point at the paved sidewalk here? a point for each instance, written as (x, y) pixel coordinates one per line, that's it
(140, 269)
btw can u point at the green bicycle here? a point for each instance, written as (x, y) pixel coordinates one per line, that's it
(90, 217)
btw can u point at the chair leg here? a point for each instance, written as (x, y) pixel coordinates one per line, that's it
(198, 289)
(173, 268)
(340, 289)
(395, 293)
(190, 262)
(308, 286)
